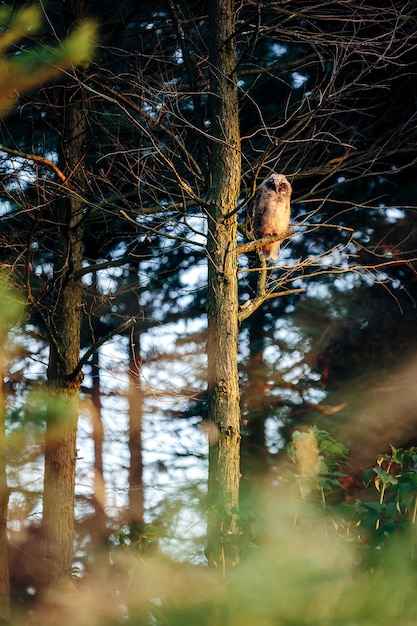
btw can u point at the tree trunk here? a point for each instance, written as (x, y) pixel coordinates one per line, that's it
(4, 500)
(255, 401)
(255, 405)
(99, 497)
(222, 298)
(65, 326)
(135, 395)
(136, 509)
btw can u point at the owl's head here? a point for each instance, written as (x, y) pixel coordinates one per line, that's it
(279, 184)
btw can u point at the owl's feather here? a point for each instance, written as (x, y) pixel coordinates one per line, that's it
(271, 212)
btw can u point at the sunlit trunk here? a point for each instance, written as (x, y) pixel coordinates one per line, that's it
(222, 298)
(64, 331)
(4, 499)
(135, 396)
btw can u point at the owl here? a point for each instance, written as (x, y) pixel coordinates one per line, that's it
(270, 212)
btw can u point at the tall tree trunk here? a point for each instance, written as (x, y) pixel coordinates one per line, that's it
(255, 408)
(65, 326)
(222, 299)
(4, 500)
(255, 402)
(99, 496)
(135, 395)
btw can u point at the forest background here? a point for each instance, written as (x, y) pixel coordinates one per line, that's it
(139, 321)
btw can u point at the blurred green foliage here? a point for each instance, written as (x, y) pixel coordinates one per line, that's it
(11, 308)
(317, 567)
(316, 557)
(22, 69)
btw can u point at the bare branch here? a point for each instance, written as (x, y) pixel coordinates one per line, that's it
(89, 353)
(38, 159)
(244, 248)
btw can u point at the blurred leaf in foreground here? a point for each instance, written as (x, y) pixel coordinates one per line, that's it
(21, 70)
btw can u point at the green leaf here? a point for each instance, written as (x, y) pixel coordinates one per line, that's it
(367, 476)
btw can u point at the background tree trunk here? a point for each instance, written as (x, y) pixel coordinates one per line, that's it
(99, 496)
(4, 500)
(256, 407)
(135, 396)
(222, 298)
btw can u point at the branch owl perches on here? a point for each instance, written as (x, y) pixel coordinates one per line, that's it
(270, 212)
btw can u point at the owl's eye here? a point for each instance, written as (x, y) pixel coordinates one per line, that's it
(270, 183)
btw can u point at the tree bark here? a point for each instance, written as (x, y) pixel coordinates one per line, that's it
(255, 402)
(136, 508)
(99, 497)
(4, 500)
(65, 327)
(135, 396)
(222, 298)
